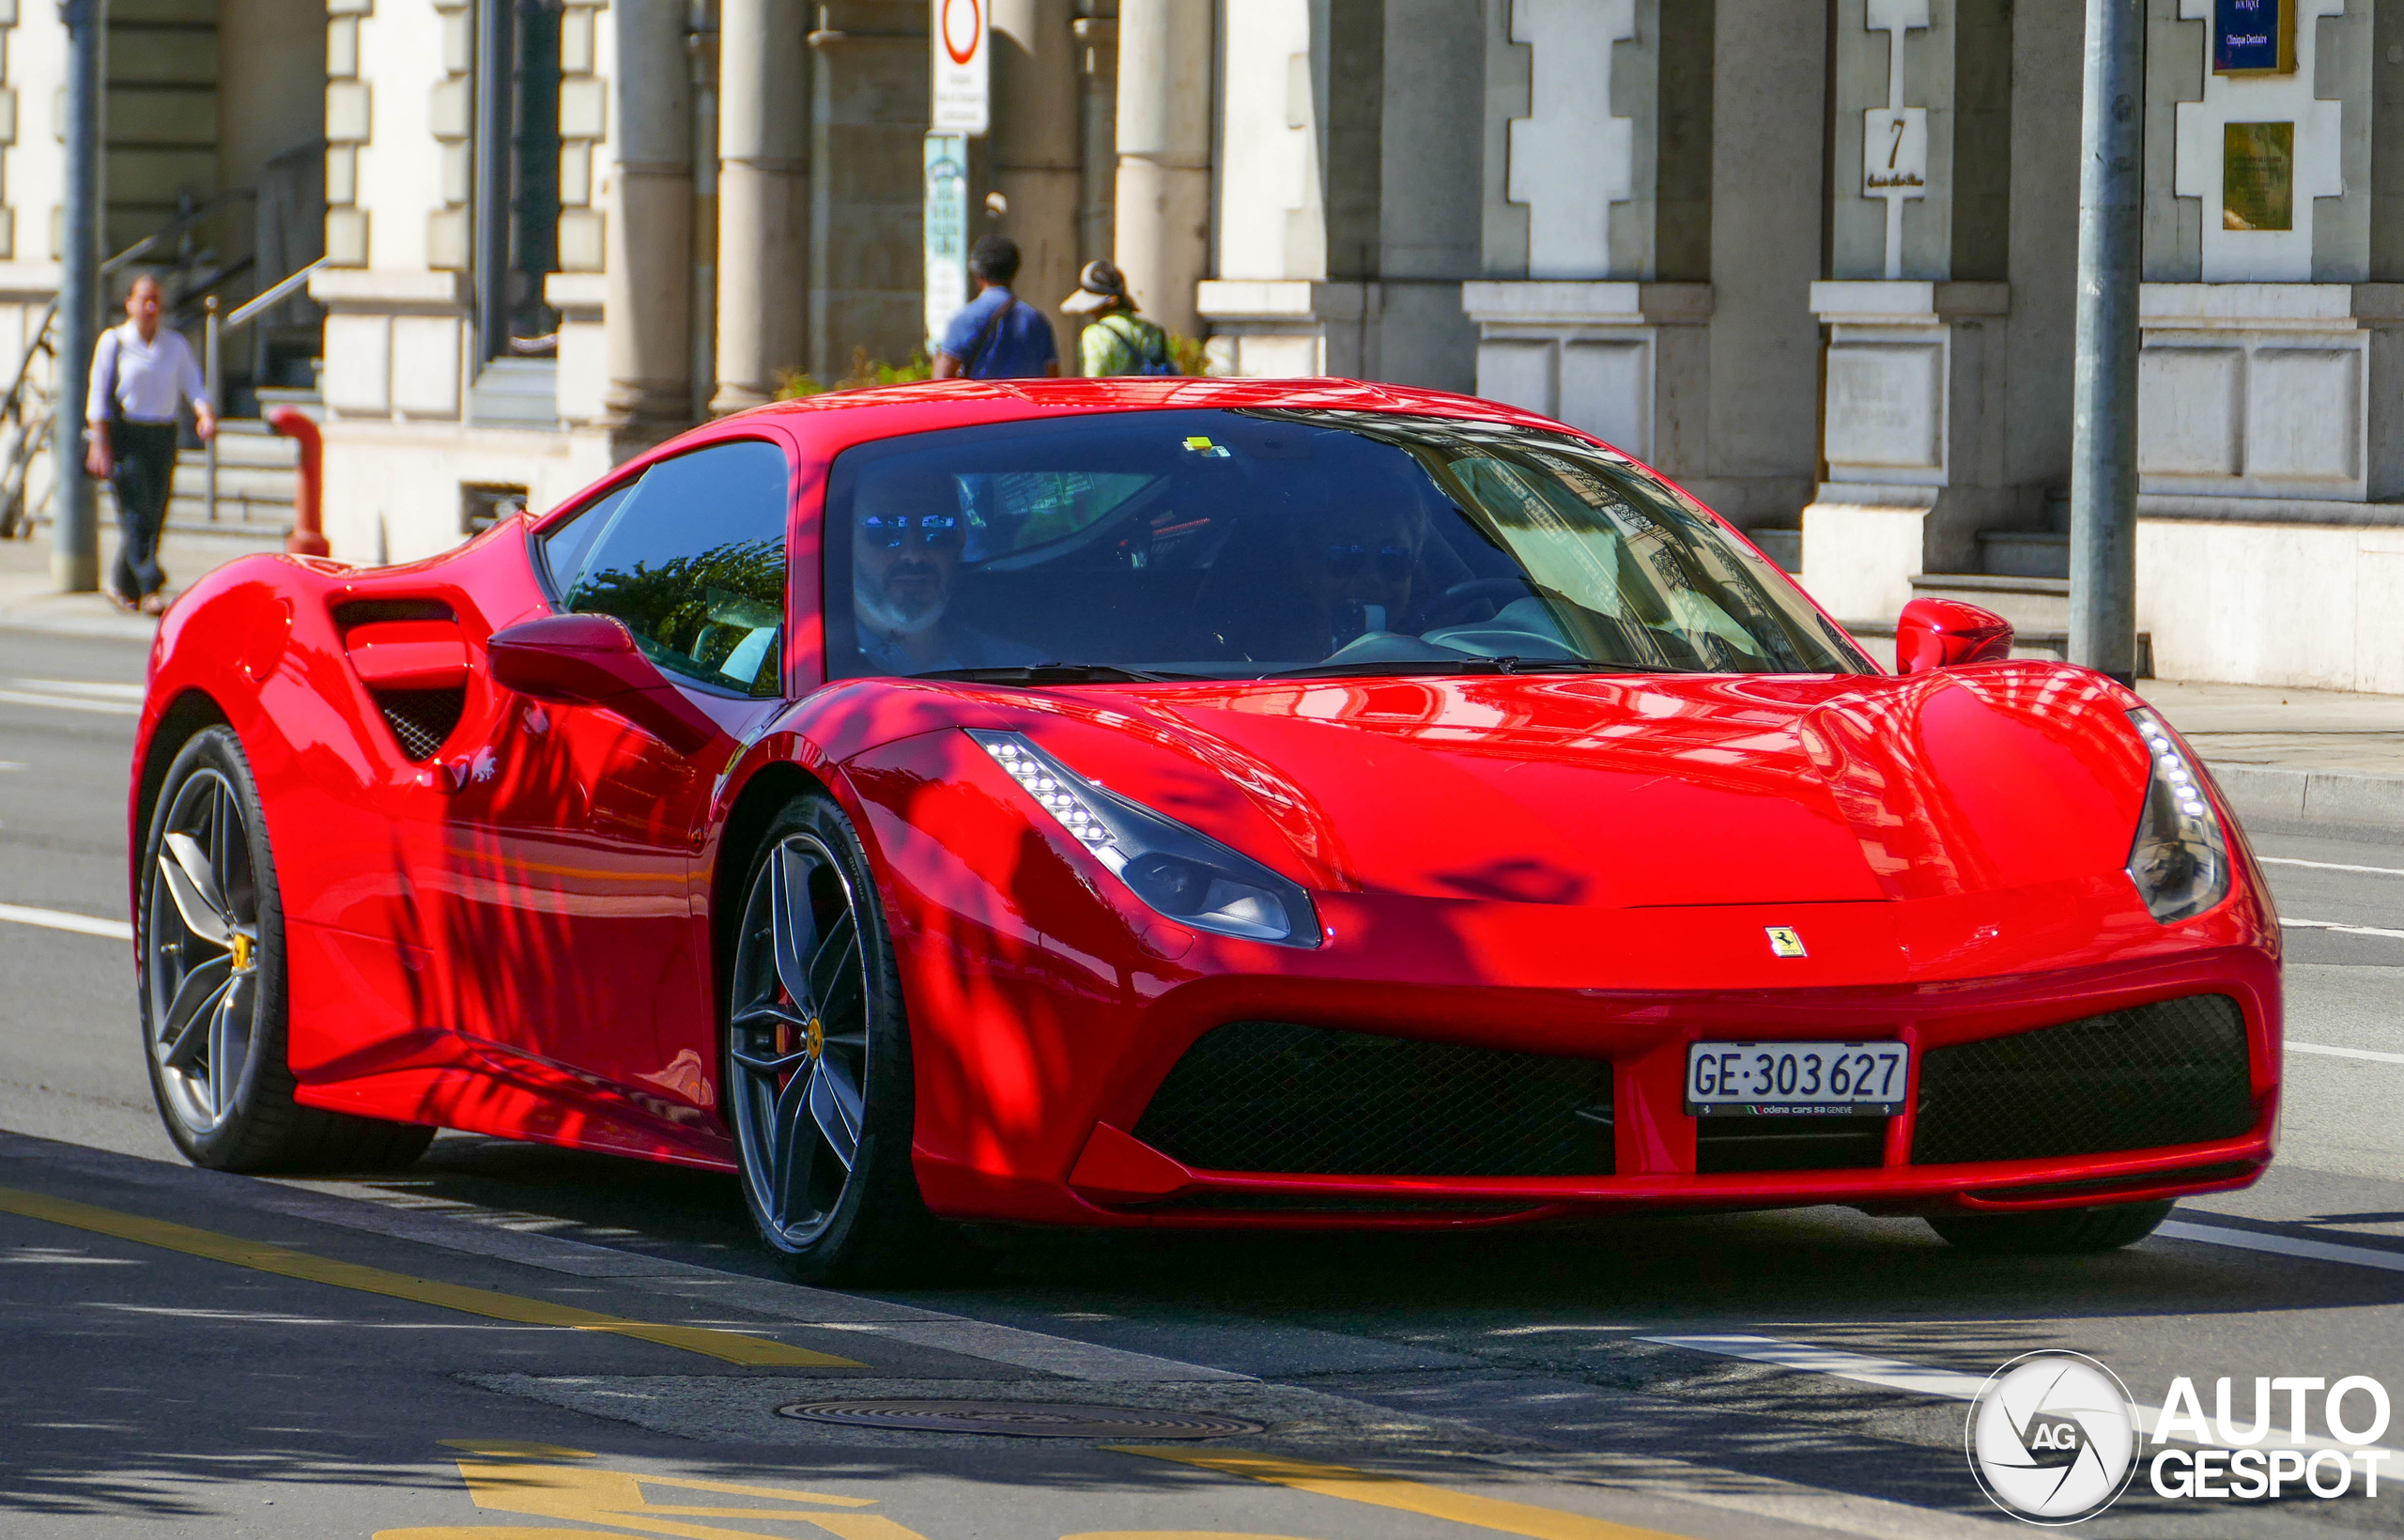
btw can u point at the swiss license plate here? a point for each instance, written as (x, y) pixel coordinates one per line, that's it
(1797, 1079)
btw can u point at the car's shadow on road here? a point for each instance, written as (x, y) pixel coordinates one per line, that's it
(1555, 1297)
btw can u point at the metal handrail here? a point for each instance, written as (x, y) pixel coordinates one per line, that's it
(213, 331)
(251, 308)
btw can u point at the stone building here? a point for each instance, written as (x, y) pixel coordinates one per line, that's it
(1815, 258)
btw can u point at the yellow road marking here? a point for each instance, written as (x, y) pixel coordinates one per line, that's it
(1484, 1513)
(517, 1478)
(733, 1346)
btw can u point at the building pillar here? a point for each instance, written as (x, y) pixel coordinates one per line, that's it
(1166, 71)
(764, 198)
(1032, 152)
(1917, 312)
(1097, 34)
(1348, 191)
(869, 78)
(1574, 316)
(650, 225)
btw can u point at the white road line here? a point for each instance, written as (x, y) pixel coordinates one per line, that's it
(2347, 1053)
(99, 689)
(2330, 866)
(2340, 930)
(1889, 1373)
(58, 920)
(69, 702)
(2283, 1245)
(1892, 1374)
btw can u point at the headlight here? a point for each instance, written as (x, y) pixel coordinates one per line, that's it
(2180, 859)
(1182, 872)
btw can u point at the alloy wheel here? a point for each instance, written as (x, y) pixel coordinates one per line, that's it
(799, 1039)
(201, 936)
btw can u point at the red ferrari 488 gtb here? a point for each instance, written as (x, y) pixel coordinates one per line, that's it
(1183, 803)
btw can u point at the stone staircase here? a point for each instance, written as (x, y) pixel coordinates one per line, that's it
(2025, 577)
(257, 474)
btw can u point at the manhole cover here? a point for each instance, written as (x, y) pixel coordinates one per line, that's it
(1022, 1419)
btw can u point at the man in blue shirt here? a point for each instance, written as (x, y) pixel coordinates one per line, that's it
(996, 335)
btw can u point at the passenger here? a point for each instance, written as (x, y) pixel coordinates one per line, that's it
(907, 530)
(1359, 562)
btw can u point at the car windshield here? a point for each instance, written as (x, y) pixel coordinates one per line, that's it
(1249, 544)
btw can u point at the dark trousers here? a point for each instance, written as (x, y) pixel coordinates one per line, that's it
(144, 475)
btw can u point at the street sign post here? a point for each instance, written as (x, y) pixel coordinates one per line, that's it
(963, 94)
(946, 231)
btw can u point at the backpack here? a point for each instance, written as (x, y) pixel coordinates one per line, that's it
(1149, 343)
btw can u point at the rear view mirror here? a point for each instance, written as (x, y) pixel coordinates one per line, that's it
(1941, 633)
(591, 660)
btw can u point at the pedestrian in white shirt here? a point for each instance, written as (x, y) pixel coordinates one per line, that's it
(141, 374)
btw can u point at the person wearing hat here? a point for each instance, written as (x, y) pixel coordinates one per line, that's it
(1118, 341)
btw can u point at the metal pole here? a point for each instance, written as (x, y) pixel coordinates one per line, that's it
(75, 555)
(210, 339)
(700, 55)
(2103, 436)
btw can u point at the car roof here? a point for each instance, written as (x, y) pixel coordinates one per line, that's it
(833, 422)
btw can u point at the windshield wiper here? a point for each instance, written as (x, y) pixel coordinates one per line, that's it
(1504, 664)
(1055, 673)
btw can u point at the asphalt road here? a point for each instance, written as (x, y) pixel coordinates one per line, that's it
(515, 1341)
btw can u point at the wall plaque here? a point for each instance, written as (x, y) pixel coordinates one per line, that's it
(2258, 177)
(2254, 38)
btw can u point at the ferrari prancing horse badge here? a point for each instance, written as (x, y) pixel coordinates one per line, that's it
(1785, 941)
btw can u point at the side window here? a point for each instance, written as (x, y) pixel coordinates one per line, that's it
(693, 561)
(564, 546)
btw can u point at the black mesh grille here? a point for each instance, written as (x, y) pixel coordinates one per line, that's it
(2170, 1073)
(420, 719)
(1270, 1096)
(1723, 1144)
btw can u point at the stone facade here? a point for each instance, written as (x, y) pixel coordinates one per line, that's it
(1816, 261)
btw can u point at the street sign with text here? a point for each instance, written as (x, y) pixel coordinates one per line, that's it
(959, 32)
(946, 232)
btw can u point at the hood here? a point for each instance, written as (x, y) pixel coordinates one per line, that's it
(1628, 793)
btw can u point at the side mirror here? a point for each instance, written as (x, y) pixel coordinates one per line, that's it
(1940, 633)
(591, 660)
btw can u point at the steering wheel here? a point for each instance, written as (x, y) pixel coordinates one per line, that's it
(1459, 598)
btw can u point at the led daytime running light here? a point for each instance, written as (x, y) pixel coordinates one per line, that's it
(1175, 871)
(2179, 859)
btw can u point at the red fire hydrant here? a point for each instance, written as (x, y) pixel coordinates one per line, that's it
(308, 537)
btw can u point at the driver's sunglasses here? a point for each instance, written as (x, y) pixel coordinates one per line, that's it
(893, 531)
(1392, 562)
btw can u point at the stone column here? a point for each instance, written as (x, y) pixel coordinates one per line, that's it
(1097, 34)
(1032, 151)
(1917, 310)
(764, 198)
(1590, 311)
(650, 236)
(1164, 99)
(870, 75)
(1348, 191)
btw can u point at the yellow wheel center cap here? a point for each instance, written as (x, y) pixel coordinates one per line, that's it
(817, 1037)
(241, 951)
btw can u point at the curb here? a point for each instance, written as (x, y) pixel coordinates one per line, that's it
(2356, 797)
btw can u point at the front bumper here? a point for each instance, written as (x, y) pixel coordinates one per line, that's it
(1039, 1043)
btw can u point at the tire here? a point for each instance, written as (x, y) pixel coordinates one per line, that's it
(209, 978)
(2057, 1232)
(817, 1063)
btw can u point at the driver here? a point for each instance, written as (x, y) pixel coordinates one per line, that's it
(907, 528)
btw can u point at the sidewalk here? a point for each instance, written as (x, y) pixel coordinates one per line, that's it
(2294, 756)
(27, 601)
(2282, 755)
